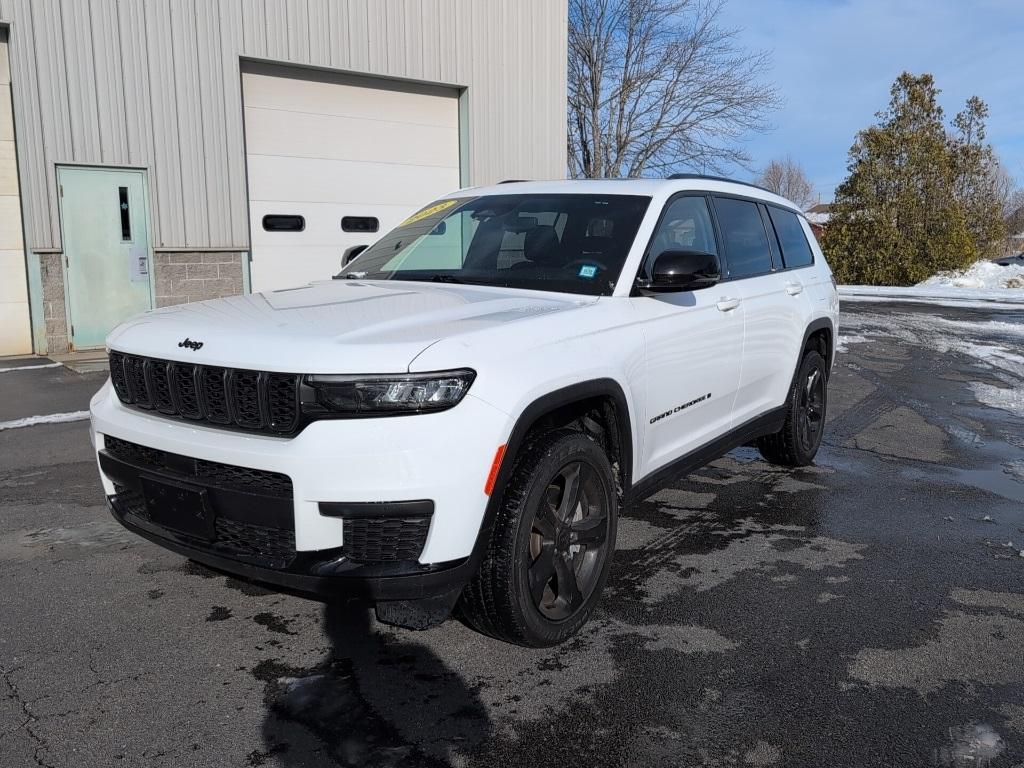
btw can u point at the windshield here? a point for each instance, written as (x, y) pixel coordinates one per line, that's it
(567, 243)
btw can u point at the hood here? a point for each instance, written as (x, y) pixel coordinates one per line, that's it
(337, 326)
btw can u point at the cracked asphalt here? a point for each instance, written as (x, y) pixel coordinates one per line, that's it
(866, 611)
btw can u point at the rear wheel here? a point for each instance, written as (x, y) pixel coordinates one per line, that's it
(551, 545)
(797, 442)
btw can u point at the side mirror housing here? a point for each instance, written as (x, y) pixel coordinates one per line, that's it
(351, 252)
(682, 271)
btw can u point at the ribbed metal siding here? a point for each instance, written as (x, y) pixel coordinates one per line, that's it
(155, 84)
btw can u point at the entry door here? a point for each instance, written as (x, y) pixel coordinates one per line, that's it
(693, 342)
(106, 249)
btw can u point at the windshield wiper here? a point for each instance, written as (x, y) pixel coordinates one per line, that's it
(439, 278)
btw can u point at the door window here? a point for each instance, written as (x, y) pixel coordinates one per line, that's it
(686, 226)
(746, 243)
(795, 250)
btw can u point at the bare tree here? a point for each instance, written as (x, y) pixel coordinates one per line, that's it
(787, 178)
(1014, 212)
(657, 85)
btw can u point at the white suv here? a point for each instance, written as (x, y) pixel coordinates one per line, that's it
(459, 416)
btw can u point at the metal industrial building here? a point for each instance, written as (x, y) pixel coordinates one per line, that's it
(154, 152)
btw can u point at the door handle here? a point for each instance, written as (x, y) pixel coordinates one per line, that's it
(727, 305)
(794, 289)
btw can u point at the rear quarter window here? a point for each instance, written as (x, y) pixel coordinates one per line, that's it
(796, 251)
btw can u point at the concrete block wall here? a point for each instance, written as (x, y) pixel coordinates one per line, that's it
(51, 269)
(194, 276)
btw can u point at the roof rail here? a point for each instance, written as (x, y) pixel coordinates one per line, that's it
(512, 181)
(705, 177)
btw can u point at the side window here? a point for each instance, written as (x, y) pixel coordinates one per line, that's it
(746, 243)
(686, 226)
(796, 252)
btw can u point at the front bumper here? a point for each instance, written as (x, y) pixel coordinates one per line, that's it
(443, 457)
(324, 575)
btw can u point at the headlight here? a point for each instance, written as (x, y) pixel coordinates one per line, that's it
(389, 394)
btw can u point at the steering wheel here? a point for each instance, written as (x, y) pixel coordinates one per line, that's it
(585, 263)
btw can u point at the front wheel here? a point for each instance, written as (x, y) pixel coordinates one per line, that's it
(797, 442)
(551, 544)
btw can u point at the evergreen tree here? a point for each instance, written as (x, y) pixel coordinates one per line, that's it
(918, 199)
(982, 184)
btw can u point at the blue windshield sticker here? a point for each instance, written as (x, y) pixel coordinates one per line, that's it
(588, 270)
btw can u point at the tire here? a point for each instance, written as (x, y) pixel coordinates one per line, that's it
(542, 544)
(797, 442)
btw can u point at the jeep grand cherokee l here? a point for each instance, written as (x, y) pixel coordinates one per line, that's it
(456, 421)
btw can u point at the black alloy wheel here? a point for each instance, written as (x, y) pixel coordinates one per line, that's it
(796, 444)
(551, 544)
(568, 541)
(811, 414)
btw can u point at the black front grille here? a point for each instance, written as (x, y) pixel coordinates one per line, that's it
(384, 539)
(200, 471)
(250, 400)
(269, 547)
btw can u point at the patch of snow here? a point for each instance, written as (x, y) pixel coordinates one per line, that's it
(994, 343)
(1007, 399)
(983, 285)
(30, 367)
(1015, 469)
(53, 418)
(951, 297)
(846, 339)
(980, 276)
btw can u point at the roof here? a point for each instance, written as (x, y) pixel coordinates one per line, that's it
(648, 187)
(820, 208)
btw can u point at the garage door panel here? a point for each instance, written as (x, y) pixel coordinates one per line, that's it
(324, 146)
(346, 181)
(420, 104)
(284, 266)
(275, 132)
(323, 222)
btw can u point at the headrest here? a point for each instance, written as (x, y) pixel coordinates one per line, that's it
(541, 245)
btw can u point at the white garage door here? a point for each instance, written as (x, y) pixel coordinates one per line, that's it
(343, 153)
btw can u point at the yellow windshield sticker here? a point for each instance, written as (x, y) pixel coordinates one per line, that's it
(429, 211)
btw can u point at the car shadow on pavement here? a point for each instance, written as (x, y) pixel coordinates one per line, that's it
(377, 699)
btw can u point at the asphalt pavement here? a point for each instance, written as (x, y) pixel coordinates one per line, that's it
(866, 611)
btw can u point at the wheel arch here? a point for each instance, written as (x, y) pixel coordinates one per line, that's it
(820, 336)
(573, 399)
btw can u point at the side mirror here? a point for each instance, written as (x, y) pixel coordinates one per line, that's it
(351, 253)
(683, 271)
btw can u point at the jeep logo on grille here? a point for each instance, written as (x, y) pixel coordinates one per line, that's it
(195, 346)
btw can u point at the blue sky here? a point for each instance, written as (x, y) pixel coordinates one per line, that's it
(834, 61)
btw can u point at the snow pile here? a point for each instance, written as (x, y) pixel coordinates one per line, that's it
(984, 285)
(980, 276)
